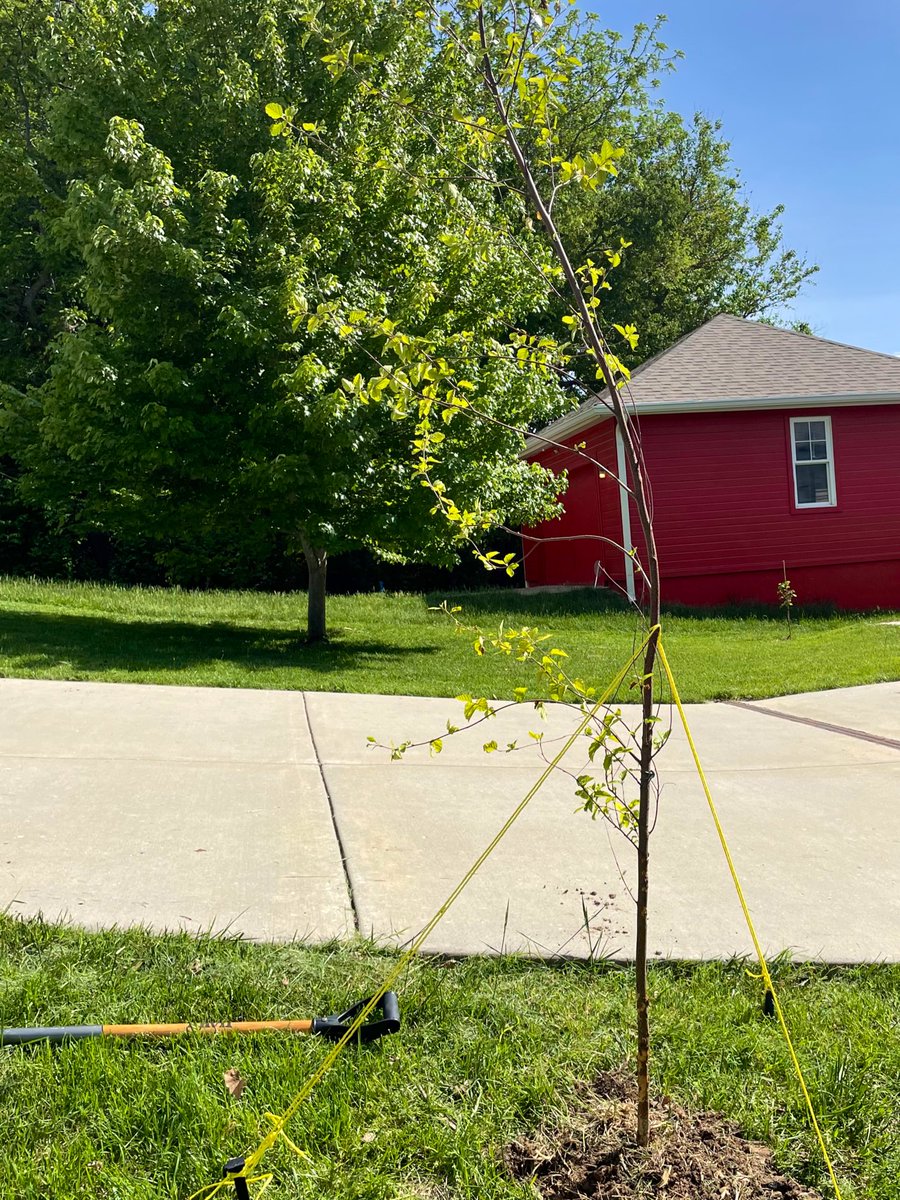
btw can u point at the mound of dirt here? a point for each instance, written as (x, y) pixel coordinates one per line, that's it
(693, 1156)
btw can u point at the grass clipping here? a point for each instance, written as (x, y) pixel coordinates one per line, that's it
(693, 1156)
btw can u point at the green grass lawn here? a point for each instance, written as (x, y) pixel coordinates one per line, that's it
(394, 644)
(489, 1049)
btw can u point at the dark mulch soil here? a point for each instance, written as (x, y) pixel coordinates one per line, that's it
(693, 1156)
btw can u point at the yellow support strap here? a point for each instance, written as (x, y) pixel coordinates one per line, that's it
(252, 1161)
(279, 1122)
(763, 965)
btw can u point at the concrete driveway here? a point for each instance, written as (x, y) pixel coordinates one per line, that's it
(268, 813)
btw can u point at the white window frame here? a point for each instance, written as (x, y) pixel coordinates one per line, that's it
(829, 462)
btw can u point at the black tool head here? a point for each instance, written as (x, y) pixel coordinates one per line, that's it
(336, 1026)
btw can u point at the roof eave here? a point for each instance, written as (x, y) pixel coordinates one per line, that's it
(583, 418)
(752, 403)
(567, 426)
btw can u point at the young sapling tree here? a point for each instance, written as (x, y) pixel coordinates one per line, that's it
(786, 597)
(522, 59)
(516, 56)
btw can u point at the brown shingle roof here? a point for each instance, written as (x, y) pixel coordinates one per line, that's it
(730, 358)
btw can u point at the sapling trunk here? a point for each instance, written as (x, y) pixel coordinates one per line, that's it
(640, 497)
(642, 998)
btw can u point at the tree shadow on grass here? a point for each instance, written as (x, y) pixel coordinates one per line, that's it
(588, 601)
(94, 645)
(535, 603)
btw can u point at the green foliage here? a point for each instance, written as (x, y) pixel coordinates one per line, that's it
(609, 773)
(786, 598)
(192, 387)
(699, 248)
(786, 595)
(185, 292)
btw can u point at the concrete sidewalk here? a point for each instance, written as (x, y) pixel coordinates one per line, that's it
(269, 814)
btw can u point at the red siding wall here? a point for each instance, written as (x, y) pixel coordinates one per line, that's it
(725, 517)
(591, 507)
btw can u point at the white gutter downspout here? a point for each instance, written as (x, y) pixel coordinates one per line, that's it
(626, 516)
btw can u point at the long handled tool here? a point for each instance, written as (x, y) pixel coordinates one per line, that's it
(333, 1027)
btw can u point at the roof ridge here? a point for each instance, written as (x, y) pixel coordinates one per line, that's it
(810, 337)
(655, 358)
(648, 362)
(756, 351)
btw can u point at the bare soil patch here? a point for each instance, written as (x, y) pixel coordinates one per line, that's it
(693, 1155)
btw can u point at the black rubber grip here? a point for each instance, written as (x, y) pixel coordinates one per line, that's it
(49, 1033)
(335, 1027)
(390, 1007)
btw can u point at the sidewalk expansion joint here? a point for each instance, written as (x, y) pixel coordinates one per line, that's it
(348, 882)
(875, 738)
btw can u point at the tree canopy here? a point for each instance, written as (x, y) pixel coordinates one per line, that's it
(178, 344)
(192, 392)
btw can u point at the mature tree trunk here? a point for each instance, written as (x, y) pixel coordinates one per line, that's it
(317, 562)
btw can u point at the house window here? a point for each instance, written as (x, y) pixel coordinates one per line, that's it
(813, 462)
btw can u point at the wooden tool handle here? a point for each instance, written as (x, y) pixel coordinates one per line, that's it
(206, 1027)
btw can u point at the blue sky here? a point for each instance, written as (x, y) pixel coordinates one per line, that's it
(809, 97)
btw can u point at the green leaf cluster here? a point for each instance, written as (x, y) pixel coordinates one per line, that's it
(268, 270)
(198, 375)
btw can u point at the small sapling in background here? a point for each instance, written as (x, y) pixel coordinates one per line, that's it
(786, 597)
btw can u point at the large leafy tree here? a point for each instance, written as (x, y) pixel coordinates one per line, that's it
(200, 378)
(166, 370)
(27, 191)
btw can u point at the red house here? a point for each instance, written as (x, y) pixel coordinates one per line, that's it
(762, 446)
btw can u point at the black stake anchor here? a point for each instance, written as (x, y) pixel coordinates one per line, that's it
(230, 1171)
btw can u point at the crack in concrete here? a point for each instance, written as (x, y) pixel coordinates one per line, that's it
(342, 849)
(876, 738)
